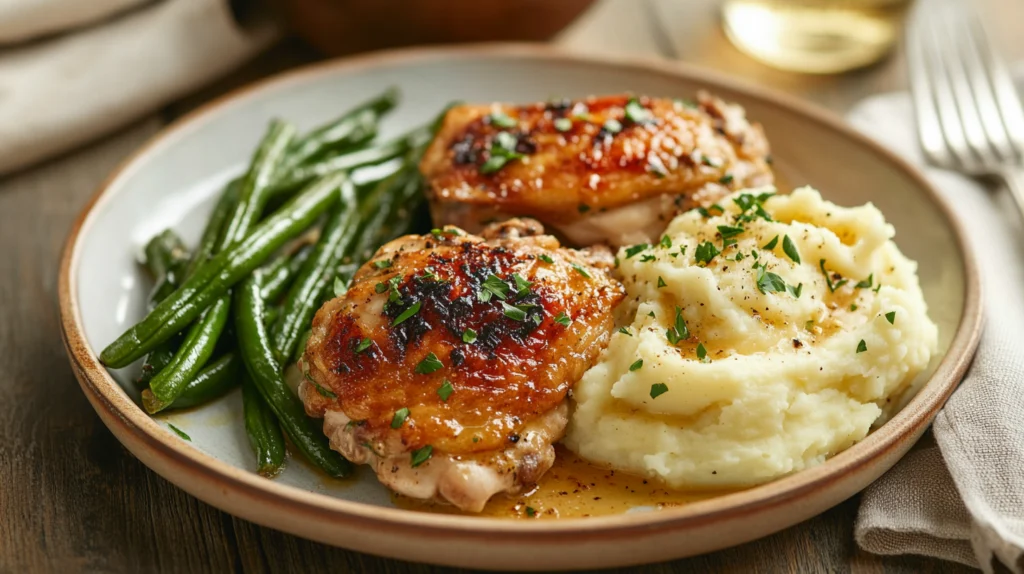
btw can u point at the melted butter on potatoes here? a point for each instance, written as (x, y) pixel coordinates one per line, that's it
(797, 364)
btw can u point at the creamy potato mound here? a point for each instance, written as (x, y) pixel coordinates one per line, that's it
(796, 365)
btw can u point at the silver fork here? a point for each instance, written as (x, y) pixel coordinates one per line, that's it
(969, 116)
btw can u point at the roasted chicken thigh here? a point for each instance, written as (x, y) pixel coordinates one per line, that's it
(612, 169)
(447, 363)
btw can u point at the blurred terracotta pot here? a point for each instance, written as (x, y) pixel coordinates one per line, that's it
(345, 26)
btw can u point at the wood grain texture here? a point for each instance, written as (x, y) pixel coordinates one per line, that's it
(74, 500)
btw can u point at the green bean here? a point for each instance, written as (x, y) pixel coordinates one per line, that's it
(166, 256)
(195, 350)
(252, 195)
(202, 337)
(304, 295)
(356, 126)
(362, 158)
(279, 274)
(215, 380)
(164, 353)
(213, 278)
(214, 230)
(263, 368)
(264, 432)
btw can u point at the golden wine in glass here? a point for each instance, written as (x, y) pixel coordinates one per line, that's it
(814, 36)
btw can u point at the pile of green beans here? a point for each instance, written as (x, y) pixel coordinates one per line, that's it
(235, 312)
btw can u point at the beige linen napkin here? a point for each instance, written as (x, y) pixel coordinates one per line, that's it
(964, 499)
(61, 91)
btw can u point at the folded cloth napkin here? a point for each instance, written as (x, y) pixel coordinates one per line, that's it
(61, 91)
(964, 499)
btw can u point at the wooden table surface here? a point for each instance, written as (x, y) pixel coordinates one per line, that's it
(73, 499)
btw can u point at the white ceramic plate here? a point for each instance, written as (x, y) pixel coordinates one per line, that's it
(171, 183)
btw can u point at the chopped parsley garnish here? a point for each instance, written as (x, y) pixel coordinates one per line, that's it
(655, 166)
(468, 336)
(658, 389)
(412, 310)
(421, 455)
(429, 364)
(637, 365)
(771, 244)
(678, 332)
(530, 511)
(702, 353)
(795, 291)
(380, 287)
(635, 112)
(493, 164)
(516, 312)
(705, 252)
(323, 392)
(495, 286)
(399, 418)
(853, 306)
(706, 211)
(729, 232)
(862, 346)
(392, 288)
(625, 331)
(661, 282)
(710, 161)
(563, 319)
(363, 345)
(651, 314)
(790, 249)
(612, 126)
(502, 120)
(579, 269)
(768, 282)
(891, 317)
(867, 283)
(877, 287)
(445, 390)
(545, 258)
(522, 285)
(828, 278)
(428, 274)
(681, 103)
(634, 249)
(439, 233)
(179, 432)
(648, 258)
(506, 143)
(563, 124)
(502, 150)
(382, 263)
(726, 179)
(809, 325)
(339, 287)
(666, 242)
(751, 206)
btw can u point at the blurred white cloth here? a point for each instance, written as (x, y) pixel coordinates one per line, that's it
(115, 61)
(964, 499)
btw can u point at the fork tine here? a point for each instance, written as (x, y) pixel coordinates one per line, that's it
(929, 131)
(952, 56)
(1009, 103)
(942, 91)
(970, 50)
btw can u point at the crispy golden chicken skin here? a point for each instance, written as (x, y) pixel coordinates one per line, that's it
(459, 349)
(611, 168)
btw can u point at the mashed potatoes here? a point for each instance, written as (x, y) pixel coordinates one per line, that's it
(740, 364)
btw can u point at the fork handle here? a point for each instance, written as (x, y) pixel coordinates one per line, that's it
(1014, 180)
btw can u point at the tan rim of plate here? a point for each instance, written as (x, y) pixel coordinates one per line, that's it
(157, 447)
